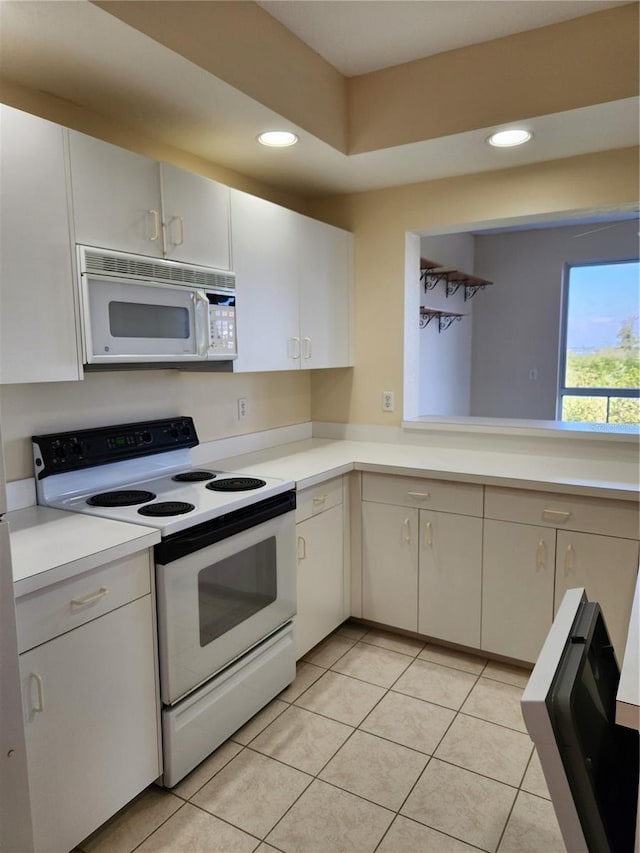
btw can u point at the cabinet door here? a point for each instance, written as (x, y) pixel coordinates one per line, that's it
(116, 197)
(91, 723)
(38, 332)
(517, 588)
(324, 276)
(196, 216)
(264, 261)
(390, 565)
(607, 568)
(321, 587)
(450, 583)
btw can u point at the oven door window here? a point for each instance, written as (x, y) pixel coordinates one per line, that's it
(233, 589)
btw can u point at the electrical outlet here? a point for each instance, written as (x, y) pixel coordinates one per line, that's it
(388, 401)
(243, 408)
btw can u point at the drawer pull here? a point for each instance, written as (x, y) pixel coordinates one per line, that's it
(541, 555)
(89, 599)
(40, 691)
(406, 531)
(321, 499)
(419, 496)
(428, 534)
(556, 515)
(569, 560)
(302, 548)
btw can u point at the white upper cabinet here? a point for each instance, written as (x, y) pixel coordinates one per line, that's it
(116, 197)
(38, 340)
(264, 261)
(293, 280)
(324, 276)
(196, 217)
(130, 203)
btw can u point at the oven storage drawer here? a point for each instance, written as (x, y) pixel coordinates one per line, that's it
(193, 728)
(56, 609)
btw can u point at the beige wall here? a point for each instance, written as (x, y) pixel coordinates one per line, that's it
(275, 400)
(380, 220)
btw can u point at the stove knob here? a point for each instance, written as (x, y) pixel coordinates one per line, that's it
(146, 437)
(186, 431)
(173, 432)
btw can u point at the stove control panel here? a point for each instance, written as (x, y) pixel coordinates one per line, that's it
(57, 453)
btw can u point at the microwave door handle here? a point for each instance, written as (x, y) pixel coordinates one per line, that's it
(201, 310)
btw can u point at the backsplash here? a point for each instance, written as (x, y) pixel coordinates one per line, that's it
(273, 400)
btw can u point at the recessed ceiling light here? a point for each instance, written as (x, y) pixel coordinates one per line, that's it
(507, 138)
(277, 138)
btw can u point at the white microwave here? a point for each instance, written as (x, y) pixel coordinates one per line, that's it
(138, 309)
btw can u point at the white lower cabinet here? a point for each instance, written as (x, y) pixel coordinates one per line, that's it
(450, 578)
(606, 567)
(517, 588)
(322, 588)
(390, 565)
(91, 718)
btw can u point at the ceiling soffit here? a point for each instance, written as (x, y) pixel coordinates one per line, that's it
(538, 72)
(240, 43)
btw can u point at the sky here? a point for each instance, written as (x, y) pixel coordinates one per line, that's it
(601, 298)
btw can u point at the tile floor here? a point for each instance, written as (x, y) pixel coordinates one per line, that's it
(382, 743)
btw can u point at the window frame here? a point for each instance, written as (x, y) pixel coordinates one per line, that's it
(569, 391)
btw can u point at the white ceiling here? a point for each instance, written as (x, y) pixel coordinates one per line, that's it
(76, 51)
(357, 37)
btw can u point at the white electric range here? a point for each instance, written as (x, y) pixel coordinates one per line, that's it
(225, 569)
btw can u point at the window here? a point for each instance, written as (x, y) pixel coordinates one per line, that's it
(600, 357)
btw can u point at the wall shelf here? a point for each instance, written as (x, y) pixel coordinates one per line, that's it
(432, 274)
(445, 318)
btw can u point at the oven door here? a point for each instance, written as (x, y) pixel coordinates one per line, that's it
(218, 602)
(130, 321)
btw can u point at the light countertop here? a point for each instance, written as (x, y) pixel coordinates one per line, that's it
(313, 460)
(50, 545)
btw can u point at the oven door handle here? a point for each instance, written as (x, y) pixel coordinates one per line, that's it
(202, 535)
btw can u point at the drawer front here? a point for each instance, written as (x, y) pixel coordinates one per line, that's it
(443, 496)
(565, 512)
(318, 498)
(51, 611)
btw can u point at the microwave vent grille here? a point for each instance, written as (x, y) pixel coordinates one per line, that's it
(149, 269)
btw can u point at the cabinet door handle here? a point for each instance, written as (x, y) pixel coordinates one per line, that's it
(40, 692)
(428, 534)
(406, 531)
(89, 599)
(294, 348)
(569, 560)
(156, 225)
(419, 496)
(556, 515)
(180, 222)
(307, 347)
(302, 548)
(541, 555)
